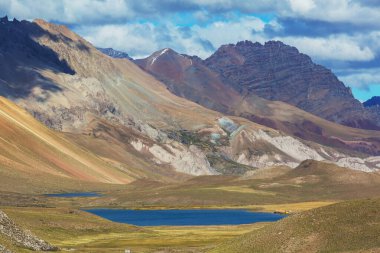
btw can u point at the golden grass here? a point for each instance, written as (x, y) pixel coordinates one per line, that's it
(350, 226)
(84, 232)
(294, 207)
(244, 189)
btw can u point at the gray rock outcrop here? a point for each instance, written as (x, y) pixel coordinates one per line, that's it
(21, 237)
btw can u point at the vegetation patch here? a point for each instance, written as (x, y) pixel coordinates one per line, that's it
(226, 166)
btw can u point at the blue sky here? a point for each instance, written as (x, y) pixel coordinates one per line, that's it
(343, 35)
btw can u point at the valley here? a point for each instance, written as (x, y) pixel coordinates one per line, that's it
(89, 128)
(62, 222)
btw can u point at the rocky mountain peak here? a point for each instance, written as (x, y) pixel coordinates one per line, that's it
(166, 52)
(276, 71)
(374, 101)
(4, 20)
(166, 60)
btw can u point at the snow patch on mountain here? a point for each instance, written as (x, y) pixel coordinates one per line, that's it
(161, 53)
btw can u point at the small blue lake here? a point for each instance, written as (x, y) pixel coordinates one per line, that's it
(74, 195)
(204, 217)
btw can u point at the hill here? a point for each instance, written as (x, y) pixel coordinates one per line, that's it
(352, 226)
(42, 157)
(311, 181)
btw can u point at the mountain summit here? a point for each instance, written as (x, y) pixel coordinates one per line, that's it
(279, 72)
(374, 101)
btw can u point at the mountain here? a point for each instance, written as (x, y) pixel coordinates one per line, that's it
(189, 77)
(128, 118)
(114, 53)
(316, 231)
(374, 101)
(43, 157)
(373, 105)
(279, 72)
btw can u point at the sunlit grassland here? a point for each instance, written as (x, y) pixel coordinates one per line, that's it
(350, 226)
(84, 232)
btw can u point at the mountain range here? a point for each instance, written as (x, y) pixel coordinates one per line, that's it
(254, 126)
(171, 116)
(273, 71)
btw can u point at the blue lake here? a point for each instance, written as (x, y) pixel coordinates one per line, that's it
(74, 194)
(203, 217)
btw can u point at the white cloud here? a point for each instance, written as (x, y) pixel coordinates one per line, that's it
(111, 11)
(140, 40)
(302, 6)
(220, 33)
(113, 23)
(136, 39)
(340, 48)
(69, 11)
(334, 11)
(362, 78)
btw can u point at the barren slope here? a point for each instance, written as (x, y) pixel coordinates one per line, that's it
(28, 147)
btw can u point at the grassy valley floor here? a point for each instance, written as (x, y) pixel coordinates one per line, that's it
(322, 188)
(84, 232)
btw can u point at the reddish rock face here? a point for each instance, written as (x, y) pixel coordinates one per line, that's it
(276, 71)
(188, 77)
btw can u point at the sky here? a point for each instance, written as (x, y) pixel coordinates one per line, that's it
(343, 35)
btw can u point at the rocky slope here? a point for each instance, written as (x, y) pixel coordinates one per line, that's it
(130, 119)
(21, 237)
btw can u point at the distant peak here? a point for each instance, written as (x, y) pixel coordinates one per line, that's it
(167, 51)
(248, 43)
(162, 52)
(374, 101)
(4, 20)
(274, 43)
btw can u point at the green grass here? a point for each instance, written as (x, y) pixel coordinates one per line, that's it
(58, 220)
(84, 232)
